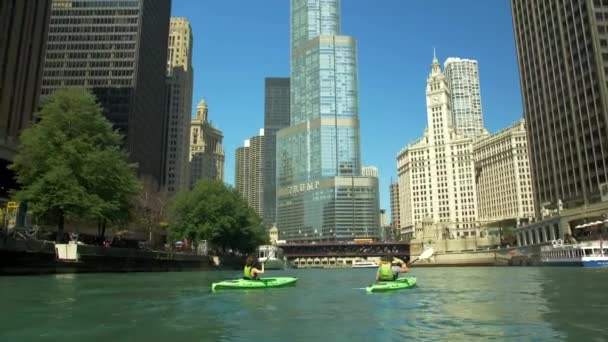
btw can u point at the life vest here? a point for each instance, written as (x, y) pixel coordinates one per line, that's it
(247, 272)
(386, 272)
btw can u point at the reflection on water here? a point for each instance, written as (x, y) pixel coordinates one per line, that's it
(448, 304)
(577, 302)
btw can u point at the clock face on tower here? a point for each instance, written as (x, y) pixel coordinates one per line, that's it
(435, 99)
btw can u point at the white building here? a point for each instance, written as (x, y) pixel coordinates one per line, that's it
(504, 185)
(249, 172)
(437, 173)
(462, 78)
(369, 171)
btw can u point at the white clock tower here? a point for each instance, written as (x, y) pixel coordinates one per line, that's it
(437, 173)
(437, 105)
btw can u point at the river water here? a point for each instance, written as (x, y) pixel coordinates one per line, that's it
(455, 304)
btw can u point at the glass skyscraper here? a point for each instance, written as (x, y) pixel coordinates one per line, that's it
(321, 194)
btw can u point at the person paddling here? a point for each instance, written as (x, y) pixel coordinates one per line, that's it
(386, 271)
(250, 271)
(398, 266)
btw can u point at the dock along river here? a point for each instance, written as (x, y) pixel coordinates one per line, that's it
(455, 304)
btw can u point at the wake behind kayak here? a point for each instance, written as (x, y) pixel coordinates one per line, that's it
(385, 286)
(262, 283)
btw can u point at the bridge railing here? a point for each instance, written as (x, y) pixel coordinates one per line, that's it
(345, 250)
(343, 254)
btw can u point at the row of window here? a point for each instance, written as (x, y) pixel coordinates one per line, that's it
(71, 56)
(92, 46)
(91, 38)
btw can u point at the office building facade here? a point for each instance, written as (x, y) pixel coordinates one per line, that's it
(504, 183)
(23, 34)
(462, 78)
(562, 51)
(118, 49)
(179, 89)
(276, 117)
(395, 213)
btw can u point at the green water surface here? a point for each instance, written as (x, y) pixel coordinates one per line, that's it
(449, 304)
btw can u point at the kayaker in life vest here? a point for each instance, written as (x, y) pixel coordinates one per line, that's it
(386, 271)
(398, 266)
(250, 271)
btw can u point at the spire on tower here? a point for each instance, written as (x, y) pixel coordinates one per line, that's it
(435, 67)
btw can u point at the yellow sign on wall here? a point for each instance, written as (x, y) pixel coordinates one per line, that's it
(11, 214)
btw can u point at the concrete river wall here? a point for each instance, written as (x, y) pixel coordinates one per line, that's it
(30, 256)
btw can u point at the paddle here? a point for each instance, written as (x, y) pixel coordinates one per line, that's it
(268, 257)
(424, 255)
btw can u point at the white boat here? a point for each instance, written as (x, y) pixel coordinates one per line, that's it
(272, 257)
(587, 254)
(365, 264)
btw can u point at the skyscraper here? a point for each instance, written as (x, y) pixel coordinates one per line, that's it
(462, 78)
(321, 194)
(179, 80)
(276, 117)
(23, 32)
(241, 170)
(437, 172)
(118, 49)
(249, 172)
(206, 149)
(562, 50)
(395, 214)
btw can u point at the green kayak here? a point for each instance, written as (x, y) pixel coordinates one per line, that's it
(262, 283)
(399, 284)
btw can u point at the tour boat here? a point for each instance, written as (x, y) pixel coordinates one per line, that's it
(272, 257)
(364, 264)
(586, 254)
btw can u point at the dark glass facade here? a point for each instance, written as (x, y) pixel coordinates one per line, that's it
(23, 26)
(276, 117)
(118, 49)
(562, 50)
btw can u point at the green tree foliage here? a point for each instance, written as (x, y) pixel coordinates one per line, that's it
(150, 209)
(216, 213)
(70, 164)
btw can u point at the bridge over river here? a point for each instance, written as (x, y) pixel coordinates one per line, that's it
(341, 254)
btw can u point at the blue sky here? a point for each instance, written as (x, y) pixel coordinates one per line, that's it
(237, 43)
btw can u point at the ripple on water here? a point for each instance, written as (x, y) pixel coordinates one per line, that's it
(448, 304)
